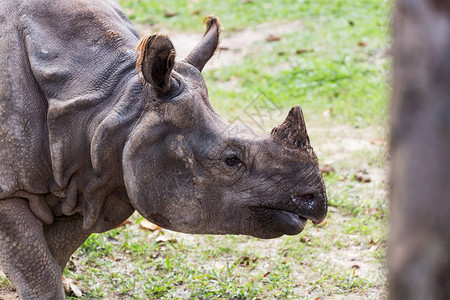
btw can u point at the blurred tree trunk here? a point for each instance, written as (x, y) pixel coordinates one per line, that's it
(419, 245)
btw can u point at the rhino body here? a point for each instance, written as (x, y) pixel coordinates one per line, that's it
(87, 138)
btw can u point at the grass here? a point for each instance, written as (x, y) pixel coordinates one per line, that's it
(307, 69)
(238, 14)
(4, 283)
(341, 84)
(313, 264)
(336, 60)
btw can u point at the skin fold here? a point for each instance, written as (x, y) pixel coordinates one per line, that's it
(96, 123)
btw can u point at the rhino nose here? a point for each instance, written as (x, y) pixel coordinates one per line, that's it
(311, 206)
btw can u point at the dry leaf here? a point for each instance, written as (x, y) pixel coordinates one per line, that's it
(66, 284)
(301, 51)
(71, 288)
(165, 239)
(272, 38)
(76, 291)
(305, 239)
(147, 225)
(170, 14)
(361, 177)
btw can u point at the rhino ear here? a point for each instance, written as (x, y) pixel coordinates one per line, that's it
(156, 60)
(292, 132)
(207, 46)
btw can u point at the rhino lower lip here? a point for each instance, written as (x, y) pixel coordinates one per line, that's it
(289, 223)
(291, 218)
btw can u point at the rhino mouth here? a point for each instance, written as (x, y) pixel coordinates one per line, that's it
(288, 223)
(291, 216)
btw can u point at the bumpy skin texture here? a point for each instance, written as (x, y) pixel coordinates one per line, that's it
(86, 140)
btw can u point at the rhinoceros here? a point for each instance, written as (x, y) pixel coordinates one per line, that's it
(96, 122)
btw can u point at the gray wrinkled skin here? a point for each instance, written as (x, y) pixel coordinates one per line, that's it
(86, 141)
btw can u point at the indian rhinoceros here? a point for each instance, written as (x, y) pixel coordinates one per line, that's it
(97, 123)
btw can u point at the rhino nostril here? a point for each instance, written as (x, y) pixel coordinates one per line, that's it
(307, 198)
(310, 206)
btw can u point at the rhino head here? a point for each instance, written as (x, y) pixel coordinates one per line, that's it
(188, 170)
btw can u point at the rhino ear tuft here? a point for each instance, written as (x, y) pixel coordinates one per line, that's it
(156, 60)
(292, 132)
(205, 49)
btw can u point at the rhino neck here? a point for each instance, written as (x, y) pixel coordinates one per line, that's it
(86, 136)
(73, 64)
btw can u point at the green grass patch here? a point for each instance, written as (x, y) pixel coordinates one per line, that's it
(238, 14)
(4, 282)
(328, 65)
(337, 60)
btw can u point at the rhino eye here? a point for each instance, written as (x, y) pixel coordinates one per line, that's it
(233, 161)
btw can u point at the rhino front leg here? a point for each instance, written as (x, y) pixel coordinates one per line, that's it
(63, 237)
(24, 255)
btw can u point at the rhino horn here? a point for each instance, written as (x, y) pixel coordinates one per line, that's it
(292, 132)
(205, 49)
